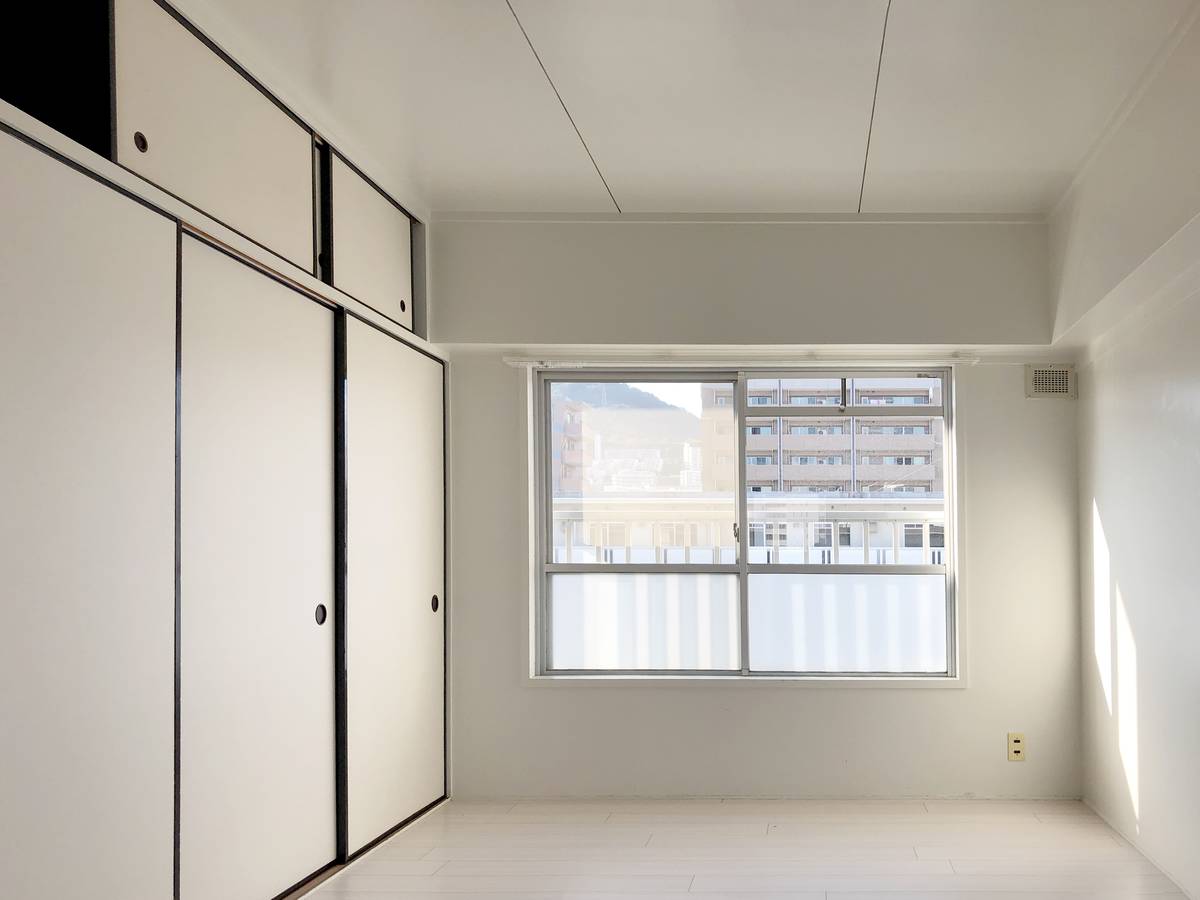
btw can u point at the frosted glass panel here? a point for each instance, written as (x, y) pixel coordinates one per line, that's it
(848, 623)
(614, 620)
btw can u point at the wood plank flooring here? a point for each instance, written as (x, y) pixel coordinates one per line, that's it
(760, 849)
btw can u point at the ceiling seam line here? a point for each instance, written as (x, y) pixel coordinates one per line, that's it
(562, 103)
(874, 99)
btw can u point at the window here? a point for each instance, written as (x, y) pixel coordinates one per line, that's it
(815, 461)
(914, 536)
(937, 536)
(890, 460)
(883, 488)
(672, 518)
(815, 399)
(767, 534)
(825, 487)
(816, 487)
(871, 398)
(937, 544)
(814, 429)
(872, 428)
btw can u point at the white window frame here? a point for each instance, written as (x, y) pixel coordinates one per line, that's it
(544, 568)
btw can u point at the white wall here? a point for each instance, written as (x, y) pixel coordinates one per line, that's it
(745, 283)
(514, 737)
(1140, 188)
(1125, 265)
(1139, 430)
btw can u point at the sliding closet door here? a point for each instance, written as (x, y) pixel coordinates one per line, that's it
(394, 591)
(257, 713)
(87, 450)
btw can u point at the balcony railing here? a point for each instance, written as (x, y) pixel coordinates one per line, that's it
(875, 538)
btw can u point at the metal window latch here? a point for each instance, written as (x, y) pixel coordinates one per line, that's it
(736, 532)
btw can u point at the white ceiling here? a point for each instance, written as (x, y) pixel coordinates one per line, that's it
(990, 106)
(719, 106)
(701, 106)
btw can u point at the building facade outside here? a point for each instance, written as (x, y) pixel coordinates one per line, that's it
(635, 479)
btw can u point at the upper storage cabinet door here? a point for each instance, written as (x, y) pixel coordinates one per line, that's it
(372, 245)
(210, 136)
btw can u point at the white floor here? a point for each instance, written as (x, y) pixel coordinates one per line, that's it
(761, 849)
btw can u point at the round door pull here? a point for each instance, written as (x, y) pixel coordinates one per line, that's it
(434, 603)
(320, 613)
(139, 141)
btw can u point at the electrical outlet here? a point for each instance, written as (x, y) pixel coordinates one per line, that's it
(1016, 746)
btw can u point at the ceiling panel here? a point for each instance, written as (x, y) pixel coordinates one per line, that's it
(717, 105)
(444, 92)
(990, 106)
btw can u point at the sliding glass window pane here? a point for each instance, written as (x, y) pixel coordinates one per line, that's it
(848, 623)
(796, 478)
(794, 391)
(896, 391)
(622, 621)
(899, 485)
(878, 481)
(643, 472)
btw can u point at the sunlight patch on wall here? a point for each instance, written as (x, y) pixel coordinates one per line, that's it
(1127, 703)
(1102, 606)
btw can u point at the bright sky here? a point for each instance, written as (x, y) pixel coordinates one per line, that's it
(683, 395)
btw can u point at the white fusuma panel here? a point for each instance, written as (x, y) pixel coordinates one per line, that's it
(256, 554)
(395, 641)
(372, 245)
(87, 536)
(193, 125)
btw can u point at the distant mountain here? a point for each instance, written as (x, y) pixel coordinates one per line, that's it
(609, 394)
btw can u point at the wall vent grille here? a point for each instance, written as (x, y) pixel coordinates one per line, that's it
(1050, 381)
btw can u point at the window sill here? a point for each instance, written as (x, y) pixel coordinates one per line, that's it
(822, 682)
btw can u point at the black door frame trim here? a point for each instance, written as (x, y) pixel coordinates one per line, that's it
(112, 80)
(324, 170)
(178, 544)
(340, 556)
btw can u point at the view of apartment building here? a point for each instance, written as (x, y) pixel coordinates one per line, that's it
(825, 488)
